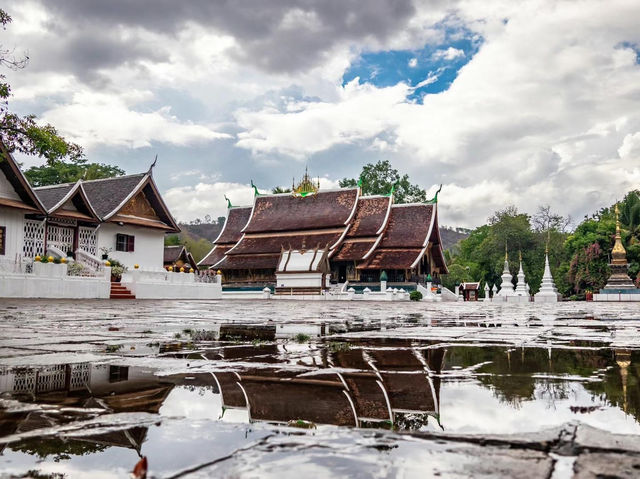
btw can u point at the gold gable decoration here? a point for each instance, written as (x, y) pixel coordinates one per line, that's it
(306, 186)
(139, 206)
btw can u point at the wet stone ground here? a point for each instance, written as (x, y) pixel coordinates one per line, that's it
(287, 389)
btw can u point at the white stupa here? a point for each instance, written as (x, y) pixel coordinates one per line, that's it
(548, 292)
(521, 285)
(487, 296)
(506, 287)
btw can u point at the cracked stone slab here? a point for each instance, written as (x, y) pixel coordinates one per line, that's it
(606, 465)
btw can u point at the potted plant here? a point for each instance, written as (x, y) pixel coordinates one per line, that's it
(105, 252)
(117, 269)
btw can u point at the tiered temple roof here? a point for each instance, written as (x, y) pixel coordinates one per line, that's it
(372, 215)
(410, 231)
(368, 231)
(231, 233)
(286, 221)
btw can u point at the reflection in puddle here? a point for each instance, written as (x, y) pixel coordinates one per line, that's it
(233, 388)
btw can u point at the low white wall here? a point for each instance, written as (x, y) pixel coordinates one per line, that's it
(617, 297)
(68, 287)
(164, 285)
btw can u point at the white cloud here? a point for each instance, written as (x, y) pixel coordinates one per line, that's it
(413, 62)
(448, 54)
(190, 202)
(100, 119)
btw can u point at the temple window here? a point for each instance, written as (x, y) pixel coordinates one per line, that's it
(125, 242)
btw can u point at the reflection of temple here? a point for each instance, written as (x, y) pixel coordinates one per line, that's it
(374, 388)
(114, 389)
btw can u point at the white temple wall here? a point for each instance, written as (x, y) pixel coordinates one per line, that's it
(7, 190)
(148, 247)
(299, 280)
(13, 220)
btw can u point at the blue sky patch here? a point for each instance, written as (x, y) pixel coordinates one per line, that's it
(428, 70)
(634, 46)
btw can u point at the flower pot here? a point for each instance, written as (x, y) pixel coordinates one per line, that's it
(105, 256)
(115, 279)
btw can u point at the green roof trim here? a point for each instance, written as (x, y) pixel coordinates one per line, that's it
(434, 200)
(229, 205)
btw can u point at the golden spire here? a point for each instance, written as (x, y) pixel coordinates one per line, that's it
(520, 255)
(618, 253)
(546, 248)
(506, 252)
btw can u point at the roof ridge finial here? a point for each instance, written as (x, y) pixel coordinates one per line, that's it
(434, 200)
(255, 189)
(229, 205)
(150, 170)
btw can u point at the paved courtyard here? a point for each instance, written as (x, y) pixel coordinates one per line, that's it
(252, 389)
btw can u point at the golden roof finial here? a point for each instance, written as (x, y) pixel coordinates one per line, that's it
(506, 252)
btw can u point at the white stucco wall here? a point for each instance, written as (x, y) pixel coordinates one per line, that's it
(299, 280)
(6, 189)
(13, 219)
(148, 250)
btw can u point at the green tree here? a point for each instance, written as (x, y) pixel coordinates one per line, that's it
(58, 171)
(23, 133)
(378, 179)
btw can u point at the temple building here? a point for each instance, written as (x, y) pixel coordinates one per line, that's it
(362, 236)
(124, 216)
(178, 257)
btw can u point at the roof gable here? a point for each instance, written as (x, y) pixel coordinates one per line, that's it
(15, 190)
(110, 194)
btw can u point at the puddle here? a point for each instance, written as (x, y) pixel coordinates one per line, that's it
(184, 396)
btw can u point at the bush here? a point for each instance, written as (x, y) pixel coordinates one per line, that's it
(415, 296)
(75, 269)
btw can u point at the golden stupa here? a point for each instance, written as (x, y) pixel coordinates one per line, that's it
(619, 281)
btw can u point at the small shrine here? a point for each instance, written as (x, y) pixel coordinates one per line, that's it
(620, 286)
(469, 291)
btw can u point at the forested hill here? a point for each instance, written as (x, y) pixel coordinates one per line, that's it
(450, 236)
(208, 231)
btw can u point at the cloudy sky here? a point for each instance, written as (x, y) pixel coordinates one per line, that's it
(525, 103)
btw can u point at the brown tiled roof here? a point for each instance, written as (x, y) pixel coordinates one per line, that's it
(50, 196)
(370, 215)
(321, 405)
(173, 253)
(248, 261)
(236, 220)
(274, 243)
(391, 259)
(409, 392)
(353, 250)
(107, 194)
(215, 255)
(292, 213)
(408, 226)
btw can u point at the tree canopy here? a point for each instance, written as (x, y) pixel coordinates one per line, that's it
(24, 133)
(579, 260)
(56, 172)
(378, 179)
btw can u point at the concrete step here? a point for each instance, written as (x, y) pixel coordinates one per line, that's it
(120, 292)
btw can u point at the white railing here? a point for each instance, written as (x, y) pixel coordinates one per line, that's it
(88, 260)
(53, 250)
(18, 265)
(206, 277)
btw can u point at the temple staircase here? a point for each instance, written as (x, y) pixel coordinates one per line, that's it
(120, 292)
